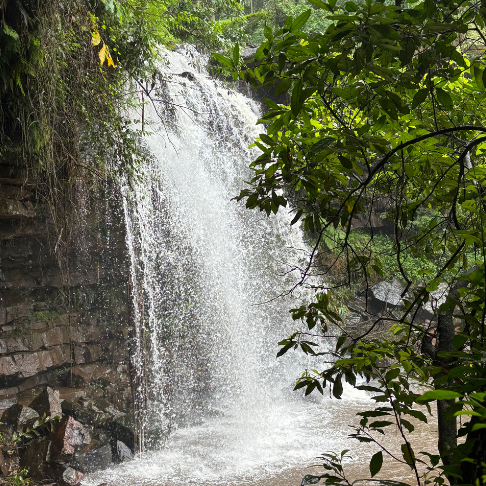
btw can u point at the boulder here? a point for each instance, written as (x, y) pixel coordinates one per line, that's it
(71, 437)
(437, 298)
(17, 416)
(188, 75)
(9, 463)
(72, 477)
(86, 415)
(248, 52)
(123, 452)
(123, 430)
(93, 458)
(385, 296)
(7, 403)
(47, 403)
(36, 457)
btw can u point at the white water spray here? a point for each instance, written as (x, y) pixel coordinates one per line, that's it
(214, 403)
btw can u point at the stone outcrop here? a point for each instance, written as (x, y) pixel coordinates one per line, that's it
(81, 439)
(64, 324)
(48, 403)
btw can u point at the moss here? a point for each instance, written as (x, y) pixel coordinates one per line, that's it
(47, 315)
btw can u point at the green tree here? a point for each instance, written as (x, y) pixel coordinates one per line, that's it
(386, 115)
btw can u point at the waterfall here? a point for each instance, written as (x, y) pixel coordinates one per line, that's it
(202, 265)
(209, 280)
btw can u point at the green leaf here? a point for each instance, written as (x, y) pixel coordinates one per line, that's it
(320, 146)
(295, 103)
(300, 20)
(345, 162)
(444, 98)
(418, 415)
(296, 217)
(226, 61)
(439, 395)
(392, 374)
(310, 388)
(408, 454)
(459, 341)
(319, 3)
(341, 340)
(419, 97)
(268, 33)
(266, 139)
(407, 425)
(373, 413)
(362, 439)
(285, 349)
(283, 86)
(380, 423)
(477, 74)
(376, 463)
(10, 32)
(369, 388)
(337, 389)
(236, 54)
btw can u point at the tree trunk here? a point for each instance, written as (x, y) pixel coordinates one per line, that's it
(447, 426)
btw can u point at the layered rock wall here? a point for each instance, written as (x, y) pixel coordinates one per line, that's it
(64, 315)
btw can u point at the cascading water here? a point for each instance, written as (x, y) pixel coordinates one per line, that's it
(201, 263)
(206, 273)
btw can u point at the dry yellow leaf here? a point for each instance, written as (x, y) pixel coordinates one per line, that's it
(105, 54)
(96, 39)
(109, 59)
(102, 54)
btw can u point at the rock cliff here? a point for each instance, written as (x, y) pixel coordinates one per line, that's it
(64, 303)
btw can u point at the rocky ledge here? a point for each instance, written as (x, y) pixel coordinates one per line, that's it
(57, 441)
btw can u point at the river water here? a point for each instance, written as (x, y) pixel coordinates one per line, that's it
(210, 283)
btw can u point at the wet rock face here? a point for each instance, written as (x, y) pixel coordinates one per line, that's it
(62, 328)
(17, 417)
(72, 436)
(123, 453)
(63, 297)
(93, 459)
(48, 403)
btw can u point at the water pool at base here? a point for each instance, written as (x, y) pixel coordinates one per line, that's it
(274, 449)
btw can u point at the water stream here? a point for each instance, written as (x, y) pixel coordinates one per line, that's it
(215, 406)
